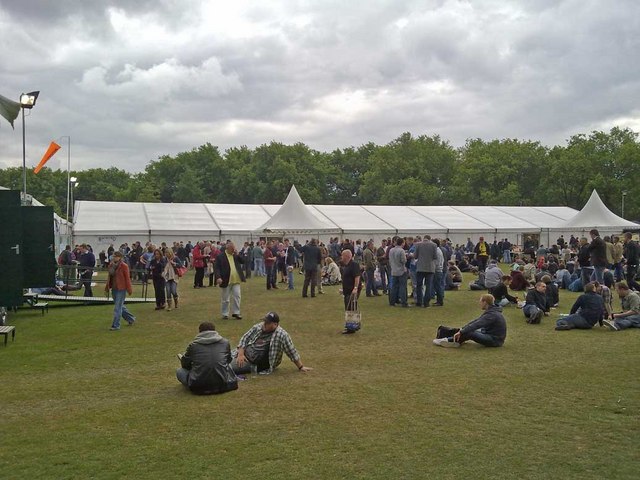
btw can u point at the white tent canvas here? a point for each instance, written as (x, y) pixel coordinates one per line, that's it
(295, 217)
(595, 214)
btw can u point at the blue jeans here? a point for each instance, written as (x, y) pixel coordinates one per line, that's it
(371, 284)
(438, 287)
(424, 279)
(259, 266)
(482, 338)
(573, 321)
(506, 256)
(271, 276)
(119, 308)
(533, 313)
(384, 275)
(398, 291)
(182, 375)
(172, 289)
(598, 273)
(290, 277)
(585, 275)
(632, 321)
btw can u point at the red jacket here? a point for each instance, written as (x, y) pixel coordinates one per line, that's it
(198, 257)
(121, 280)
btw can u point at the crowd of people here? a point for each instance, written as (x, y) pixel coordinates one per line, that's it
(430, 266)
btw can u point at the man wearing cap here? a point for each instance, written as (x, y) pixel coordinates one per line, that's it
(482, 254)
(205, 366)
(263, 346)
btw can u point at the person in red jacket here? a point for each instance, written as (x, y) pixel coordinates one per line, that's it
(119, 282)
(198, 264)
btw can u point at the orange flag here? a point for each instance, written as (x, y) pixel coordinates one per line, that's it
(53, 148)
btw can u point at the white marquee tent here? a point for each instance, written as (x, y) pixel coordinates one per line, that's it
(103, 223)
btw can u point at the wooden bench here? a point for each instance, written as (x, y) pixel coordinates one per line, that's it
(5, 331)
(42, 306)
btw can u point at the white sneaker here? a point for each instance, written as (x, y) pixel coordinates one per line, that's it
(444, 342)
(611, 325)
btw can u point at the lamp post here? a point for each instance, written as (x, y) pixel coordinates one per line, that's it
(27, 100)
(624, 195)
(73, 183)
(68, 171)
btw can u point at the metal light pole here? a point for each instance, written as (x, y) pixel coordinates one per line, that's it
(73, 182)
(624, 194)
(27, 100)
(68, 171)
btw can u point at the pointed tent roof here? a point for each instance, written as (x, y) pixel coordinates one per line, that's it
(595, 214)
(295, 217)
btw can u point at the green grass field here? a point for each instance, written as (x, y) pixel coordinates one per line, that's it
(79, 401)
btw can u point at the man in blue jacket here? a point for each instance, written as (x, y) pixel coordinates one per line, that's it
(587, 310)
(489, 329)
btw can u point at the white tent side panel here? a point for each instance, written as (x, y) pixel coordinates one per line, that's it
(355, 220)
(406, 221)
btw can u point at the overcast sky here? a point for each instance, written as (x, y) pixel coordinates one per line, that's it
(130, 81)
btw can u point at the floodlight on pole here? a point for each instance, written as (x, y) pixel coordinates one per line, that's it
(27, 101)
(624, 195)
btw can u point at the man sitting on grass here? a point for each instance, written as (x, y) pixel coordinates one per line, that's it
(262, 347)
(587, 310)
(536, 303)
(489, 329)
(630, 315)
(501, 293)
(205, 366)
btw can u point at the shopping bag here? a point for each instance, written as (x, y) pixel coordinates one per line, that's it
(353, 316)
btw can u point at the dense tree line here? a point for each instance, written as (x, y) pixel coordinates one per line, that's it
(423, 170)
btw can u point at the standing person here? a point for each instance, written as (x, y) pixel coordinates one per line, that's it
(425, 255)
(289, 261)
(584, 262)
(156, 267)
(598, 255)
(311, 259)
(263, 345)
(270, 265)
(618, 249)
(205, 367)
(506, 251)
(258, 260)
(439, 276)
(482, 254)
(247, 254)
(119, 282)
(198, 264)
(350, 282)
(489, 329)
(383, 262)
(171, 278)
(398, 266)
(370, 269)
(630, 315)
(86, 266)
(586, 311)
(632, 258)
(229, 274)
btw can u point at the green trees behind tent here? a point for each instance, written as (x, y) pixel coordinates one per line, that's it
(422, 170)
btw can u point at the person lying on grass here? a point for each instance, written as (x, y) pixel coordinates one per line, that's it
(587, 310)
(489, 329)
(205, 365)
(261, 348)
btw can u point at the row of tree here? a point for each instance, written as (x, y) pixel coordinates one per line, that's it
(423, 170)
